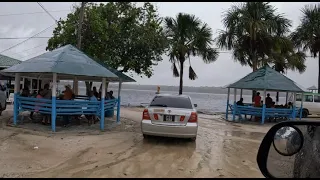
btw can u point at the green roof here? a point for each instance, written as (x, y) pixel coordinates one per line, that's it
(67, 62)
(122, 76)
(266, 78)
(6, 61)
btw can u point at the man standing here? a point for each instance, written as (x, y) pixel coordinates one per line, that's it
(257, 100)
(268, 101)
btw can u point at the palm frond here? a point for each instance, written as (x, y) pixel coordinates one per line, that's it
(175, 70)
(192, 74)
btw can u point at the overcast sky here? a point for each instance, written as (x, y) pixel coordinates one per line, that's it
(224, 71)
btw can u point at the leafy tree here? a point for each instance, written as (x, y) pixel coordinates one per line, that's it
(307, 34)
(188, 36)
(254, 31)
(120, 34)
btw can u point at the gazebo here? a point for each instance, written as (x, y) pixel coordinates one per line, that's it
(64, 63)
(6, 62)
(312, 89)
(264, 79)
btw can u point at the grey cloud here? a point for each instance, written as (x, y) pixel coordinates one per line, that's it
(219, 73)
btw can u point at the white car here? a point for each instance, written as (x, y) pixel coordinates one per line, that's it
(170, 116)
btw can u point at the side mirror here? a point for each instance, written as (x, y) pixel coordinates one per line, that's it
(195, 105)
(290, 149)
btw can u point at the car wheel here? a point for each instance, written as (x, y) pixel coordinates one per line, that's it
(304, 114)
(145, 136)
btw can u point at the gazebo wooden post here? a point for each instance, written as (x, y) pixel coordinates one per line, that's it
(301, 107)
(103, 94)
(294, 106)
(234, 104)
(227, 109)
(75, 86)
(241, 93)
(287, 97)
(53, 102)
(16, 95)
(119, 102)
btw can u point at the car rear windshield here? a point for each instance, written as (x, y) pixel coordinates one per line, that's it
(175, 102)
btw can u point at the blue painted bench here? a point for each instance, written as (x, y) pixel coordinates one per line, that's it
(269, 112)
(64, 107)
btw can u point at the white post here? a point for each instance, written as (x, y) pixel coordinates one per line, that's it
(119, 102)
(16, 95)
(240, 93)
(234, 104)
(23, 80)
(103, 94)
(53, 102)
(38, 85)
(227, 109)
(235, 95)
(301, 107)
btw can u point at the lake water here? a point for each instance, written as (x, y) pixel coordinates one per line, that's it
(207, 102)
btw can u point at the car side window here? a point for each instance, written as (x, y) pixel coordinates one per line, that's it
(298, 98)
(309, 98)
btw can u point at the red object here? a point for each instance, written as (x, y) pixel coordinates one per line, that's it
(193, 117)
(257, 100)
(146, 115)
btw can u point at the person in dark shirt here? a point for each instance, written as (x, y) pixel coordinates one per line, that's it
(268, 101)
(240, 102)
(25, 92)
(95, 92)
(111, 95)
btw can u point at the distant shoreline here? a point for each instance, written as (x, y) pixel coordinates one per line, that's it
(186, 89)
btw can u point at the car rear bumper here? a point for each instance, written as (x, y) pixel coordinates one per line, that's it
(188, 131)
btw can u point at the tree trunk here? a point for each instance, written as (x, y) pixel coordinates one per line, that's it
(107, 84)
(181, 75)
(88, 87)
(319, 74)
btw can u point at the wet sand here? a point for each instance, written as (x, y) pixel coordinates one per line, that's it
(222, 149)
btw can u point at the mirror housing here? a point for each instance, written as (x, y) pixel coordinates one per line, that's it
(195, 105)
(291, 145)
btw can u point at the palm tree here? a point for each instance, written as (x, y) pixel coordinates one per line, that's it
(307, 34)
(283, 57)
(188, 36)
(250, 29)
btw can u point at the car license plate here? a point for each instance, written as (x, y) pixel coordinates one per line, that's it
(168, 118)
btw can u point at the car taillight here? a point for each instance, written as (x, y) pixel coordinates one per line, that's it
(155, 116)
(182, 118)
(146, 115)
(193, 117)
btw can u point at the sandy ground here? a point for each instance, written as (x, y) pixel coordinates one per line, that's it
(222, 149)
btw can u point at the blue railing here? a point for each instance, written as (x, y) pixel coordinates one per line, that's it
(65, 107)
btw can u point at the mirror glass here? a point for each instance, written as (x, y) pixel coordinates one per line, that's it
(287, 141)
(294, 156)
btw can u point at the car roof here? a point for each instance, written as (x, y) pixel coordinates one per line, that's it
(174, 95)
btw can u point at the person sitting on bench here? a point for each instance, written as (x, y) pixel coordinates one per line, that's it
(240, 102)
